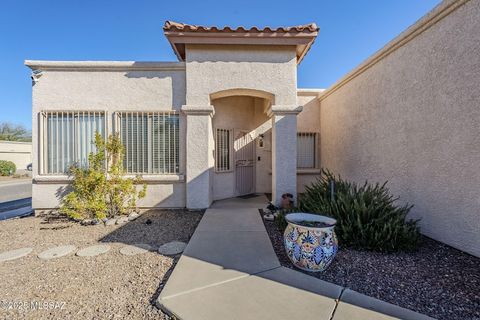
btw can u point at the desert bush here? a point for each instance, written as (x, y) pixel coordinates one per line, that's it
(368, 216)
(7, 168)
(101, 189)
(12, 132)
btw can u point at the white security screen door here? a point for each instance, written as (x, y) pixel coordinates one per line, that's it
(244, 162)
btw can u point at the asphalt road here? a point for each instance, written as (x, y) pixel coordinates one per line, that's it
(14, 190)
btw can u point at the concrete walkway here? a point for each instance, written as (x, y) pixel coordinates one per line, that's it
(229, 270)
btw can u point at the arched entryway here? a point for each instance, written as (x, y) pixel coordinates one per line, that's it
(242, 142)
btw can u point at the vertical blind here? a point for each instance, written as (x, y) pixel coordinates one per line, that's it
(69, 138)
(306, 150)
(222, 150)
(151, 141)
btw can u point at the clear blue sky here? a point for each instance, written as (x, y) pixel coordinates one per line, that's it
(350, 31)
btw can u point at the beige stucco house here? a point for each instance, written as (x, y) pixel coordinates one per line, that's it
(228, 119)
(222, 122)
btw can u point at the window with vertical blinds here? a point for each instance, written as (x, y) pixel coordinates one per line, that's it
(68, 138)
(222, 150)
(306, 150)
(151, 141)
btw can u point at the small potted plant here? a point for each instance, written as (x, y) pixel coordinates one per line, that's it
(287, 201)
(310, 241)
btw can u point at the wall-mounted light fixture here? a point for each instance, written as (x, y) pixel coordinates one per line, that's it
(260, 141)
(36, 74)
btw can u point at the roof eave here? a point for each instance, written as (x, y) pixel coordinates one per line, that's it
(178, 39)
(45, 65)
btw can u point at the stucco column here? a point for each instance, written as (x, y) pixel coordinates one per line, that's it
(284, 151)
(199, 147)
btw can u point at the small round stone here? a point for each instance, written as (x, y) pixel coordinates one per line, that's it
(110, 222)
(93, 250)
(14, 254)
(122, 220)
(135, 249)
(172, 248)
(56, 252)
(132, 216)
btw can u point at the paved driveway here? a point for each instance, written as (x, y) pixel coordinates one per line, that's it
(14, 190)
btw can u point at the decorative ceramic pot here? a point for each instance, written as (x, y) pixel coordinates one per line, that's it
(310, 241)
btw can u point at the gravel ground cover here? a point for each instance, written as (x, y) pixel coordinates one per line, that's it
(107, 286)
(437, 280)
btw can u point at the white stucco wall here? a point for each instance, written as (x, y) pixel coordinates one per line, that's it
(131, 88)
(19, 153)
(214, 68)
(413, 118)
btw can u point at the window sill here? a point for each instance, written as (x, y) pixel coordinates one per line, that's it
(159, 178)
(61, 178)
(308, 171)
(148, 178)
(312, 171)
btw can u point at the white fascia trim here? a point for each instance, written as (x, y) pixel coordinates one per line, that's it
(105, 65)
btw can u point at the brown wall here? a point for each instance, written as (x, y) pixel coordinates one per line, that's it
(411, 115)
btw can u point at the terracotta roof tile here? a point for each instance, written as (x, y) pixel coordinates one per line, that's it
(183, 27)
(181, 34)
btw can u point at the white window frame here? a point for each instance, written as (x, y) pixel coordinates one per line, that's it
(315, 135)
(43, 137)
(176, 139)
(219, 167)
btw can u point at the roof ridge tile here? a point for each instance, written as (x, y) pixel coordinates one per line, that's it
(178, 26)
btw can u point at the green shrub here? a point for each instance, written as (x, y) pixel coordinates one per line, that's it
(7, 168)
(280, 218)
(102, 190)
(367, 215)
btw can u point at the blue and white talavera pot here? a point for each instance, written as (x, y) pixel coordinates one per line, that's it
(310, 248)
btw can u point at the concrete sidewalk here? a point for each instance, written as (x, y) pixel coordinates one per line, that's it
(229, 270)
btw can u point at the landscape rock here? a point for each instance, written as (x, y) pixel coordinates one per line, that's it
(86, 222)
(132, 216)
(14, 254)
(93, 250)
(269, 217)
(110, 222)
(56, 252)
(122, 220)
(172, 248)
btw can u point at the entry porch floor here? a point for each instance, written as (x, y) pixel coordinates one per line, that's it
(229, 270)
